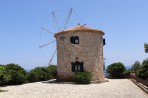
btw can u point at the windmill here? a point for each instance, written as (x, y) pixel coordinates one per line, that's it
(56, 24)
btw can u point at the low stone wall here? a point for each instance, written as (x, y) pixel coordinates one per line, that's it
(143, 84)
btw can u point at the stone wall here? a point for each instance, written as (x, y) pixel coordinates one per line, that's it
(89, 50)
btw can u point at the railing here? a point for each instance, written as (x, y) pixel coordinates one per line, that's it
(138, 80)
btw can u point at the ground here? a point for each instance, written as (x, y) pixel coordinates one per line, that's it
(115, 88)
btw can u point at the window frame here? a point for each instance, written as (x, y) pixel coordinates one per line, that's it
(77, 66)
(74, 39)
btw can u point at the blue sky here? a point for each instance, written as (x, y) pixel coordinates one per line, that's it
(125, 23)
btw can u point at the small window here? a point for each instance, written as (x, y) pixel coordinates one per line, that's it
(74, 40)
(77, 67)
(104, 42)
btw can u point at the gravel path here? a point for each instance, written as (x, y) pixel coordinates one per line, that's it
(115, 88)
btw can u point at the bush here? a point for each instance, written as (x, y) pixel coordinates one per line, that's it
(39, 74)
(82, 77)
(136, 66)
(32, 76)
(52, 69)
(116, 70)
(143, 72)
(4, 77)
(126, 74)
(17, 74)
(145, 61)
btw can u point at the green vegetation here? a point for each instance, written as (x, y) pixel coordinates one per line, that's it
(12, 74)
(39, 74)
(143, 71)
(136, 66)
(116, 70)
(82, 77)
(52, 69)
(4, 76)
(146, 47)
(42, 73)
(17, 74)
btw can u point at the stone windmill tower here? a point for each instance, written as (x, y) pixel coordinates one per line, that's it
(80, 49)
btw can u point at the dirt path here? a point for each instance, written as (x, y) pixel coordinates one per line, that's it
(121, 88)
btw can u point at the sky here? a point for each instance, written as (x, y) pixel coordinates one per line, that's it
(125, 23)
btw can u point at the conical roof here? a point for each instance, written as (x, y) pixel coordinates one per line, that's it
(79, 28)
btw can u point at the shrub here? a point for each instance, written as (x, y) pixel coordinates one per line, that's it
(136, 66)
(143, 72)
(52, 69)
(146, 47)
(145, 61)
(116, 70)
(17, 74)
(126, 74)
(82, 77)
(32, 76)
(4, 77)
(39, 74)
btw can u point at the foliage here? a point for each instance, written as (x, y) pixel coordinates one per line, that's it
(52, 69)
(136, 66)
(82, 77)
(126, 73)
(39, 74)
(116, 70)
(143, 72)
(146, 47)
(17, 74)
(4, 77)
(145, 61)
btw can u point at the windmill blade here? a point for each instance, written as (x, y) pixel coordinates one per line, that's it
(46, 30)
(52, 57)
(47, 44)
(67, 19)
(53, 14)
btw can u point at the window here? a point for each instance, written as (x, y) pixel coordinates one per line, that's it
(104, 42)
(74, 40)
(77, 66)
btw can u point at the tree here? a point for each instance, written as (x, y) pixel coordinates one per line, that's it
(39, 74)
(145, 61)
(143, 71)
(17, 74)
(146, 47)
(116, 70)
(52, 69)
(136, 66)
(4, 77)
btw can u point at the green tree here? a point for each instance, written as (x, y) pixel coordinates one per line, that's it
(136, 66)
(52, 69)
(146, 47)
(39, 74)
(4, 77)
(145, 61)
(143, 71)
(17, 74)
(116, 70)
